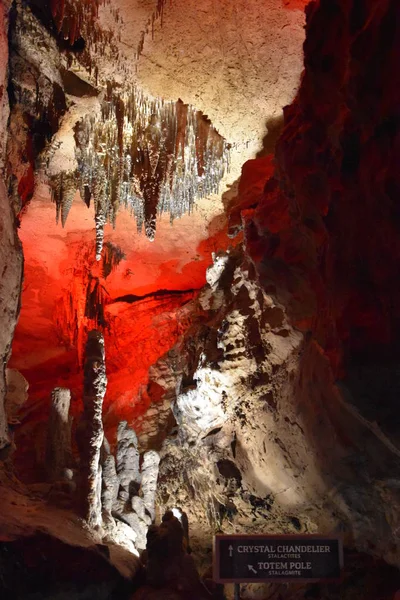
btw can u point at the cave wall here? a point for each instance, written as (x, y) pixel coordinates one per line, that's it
(10, 248)
(327, 227)
(266, 437)
(322, 231)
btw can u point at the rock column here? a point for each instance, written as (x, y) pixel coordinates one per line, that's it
(127, 461)
(90, 432)
(110, 485)
(151, 460)
(58, 451)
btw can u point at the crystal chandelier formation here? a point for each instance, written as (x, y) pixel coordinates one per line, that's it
(148, 156)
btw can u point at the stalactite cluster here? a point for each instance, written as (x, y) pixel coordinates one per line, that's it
(71, 17)
(148, 156)
(96, 298)
(63, 189)
(112, 256)
(157, 14)
(81, 307)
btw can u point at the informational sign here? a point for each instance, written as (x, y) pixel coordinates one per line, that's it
(286, 558)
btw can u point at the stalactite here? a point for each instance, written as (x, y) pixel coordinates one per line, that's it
(96, 299)
(81, 306)
(157, 14)
(112, 256)
(100, 221)
(63, 187)
(73, 17)
(149, 156)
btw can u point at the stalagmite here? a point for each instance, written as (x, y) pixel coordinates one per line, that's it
(151, 460)
(127, 461)
(58, 451)
(110, 481)
(90, 432)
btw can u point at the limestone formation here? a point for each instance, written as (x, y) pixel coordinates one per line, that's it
(279, 413)
(128, 491)
(58, 452)
(175, 156)
(16, 396)
(148, 486)
(271, 393)
(127, 461)
(90, 432)
(10, 247)
(167, 562)
(110, 482)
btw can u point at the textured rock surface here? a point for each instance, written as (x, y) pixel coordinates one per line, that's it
(127, 460)
(10, 248)
(90, 433)
(273, 445)
(59, 452)
(151, 460)
(178, 257)
(169, 569)
(291, 449)
(325, 231)
(265, 438)
(16, 395)
(110, 482)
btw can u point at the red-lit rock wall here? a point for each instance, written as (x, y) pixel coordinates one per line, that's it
(326, 230)
(10, 249)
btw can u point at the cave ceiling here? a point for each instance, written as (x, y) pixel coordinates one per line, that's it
(151, 109)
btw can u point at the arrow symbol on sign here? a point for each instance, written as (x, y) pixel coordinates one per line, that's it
(251, 568)
(230, 551)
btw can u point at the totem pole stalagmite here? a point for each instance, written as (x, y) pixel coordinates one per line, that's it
(90, 432)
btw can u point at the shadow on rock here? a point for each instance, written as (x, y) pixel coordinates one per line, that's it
(171, 572)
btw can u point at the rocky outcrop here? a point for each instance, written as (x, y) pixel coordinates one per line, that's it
(170, 570)
(16, 395)
(10, 249)
(325, 230)
(257, 401)
(266, 440)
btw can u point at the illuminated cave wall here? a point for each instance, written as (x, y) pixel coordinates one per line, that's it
(326, 228)
(143, 304)
(267, 434)
(287, 391)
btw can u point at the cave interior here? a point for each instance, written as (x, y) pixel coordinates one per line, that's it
(199, 294)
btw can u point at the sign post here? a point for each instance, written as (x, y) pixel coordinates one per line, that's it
(281, 559)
